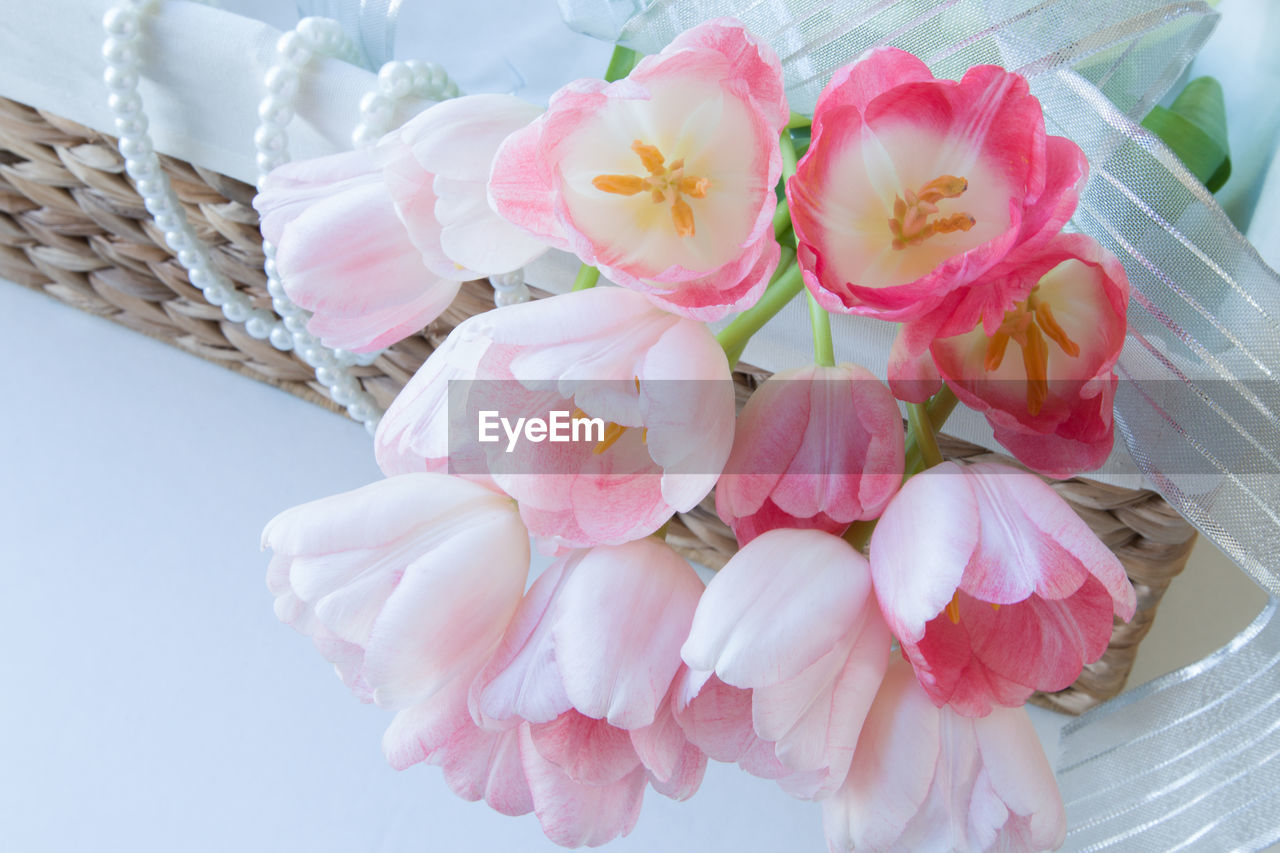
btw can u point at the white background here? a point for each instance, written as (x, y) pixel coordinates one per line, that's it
(151, 702)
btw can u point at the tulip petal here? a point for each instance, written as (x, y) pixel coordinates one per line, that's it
(1019, 775)
(932, 522)
(776, 607)
(484, 765)
(590, 752)
(575, 815)
(619, 622)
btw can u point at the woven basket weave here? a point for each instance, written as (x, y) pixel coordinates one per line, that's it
(72, 226)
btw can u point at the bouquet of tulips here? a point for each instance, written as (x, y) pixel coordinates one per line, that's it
(888, 613)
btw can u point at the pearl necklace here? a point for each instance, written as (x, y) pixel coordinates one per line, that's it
(294, 50)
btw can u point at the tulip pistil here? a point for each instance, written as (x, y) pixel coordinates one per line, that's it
(910, 225)
(1029, 323)
(664, 181)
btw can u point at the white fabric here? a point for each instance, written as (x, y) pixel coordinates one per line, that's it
(202, 81)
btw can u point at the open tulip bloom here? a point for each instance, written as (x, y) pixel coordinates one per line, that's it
(872, 642)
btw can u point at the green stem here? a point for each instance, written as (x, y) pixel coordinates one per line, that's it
(926, 420)
(788, 147)
(785, 285)
(859, 534)
(820, 322)
(781, 220)
(587, 277)
(926, 438)
(937, 410)
(621, 63)
(798, 121)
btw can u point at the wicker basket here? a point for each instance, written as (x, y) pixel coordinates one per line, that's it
(72, 225)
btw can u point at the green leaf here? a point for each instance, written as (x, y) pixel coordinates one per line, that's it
(1195, 127)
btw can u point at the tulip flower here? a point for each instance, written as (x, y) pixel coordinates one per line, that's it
(791, 617)
(404, 585)
(376, 244)
(664, 180)
(816, 447)
(660, 381)
(1049, 404)
(993, 586)
(571, 716)
(914, 187)
(926, 778)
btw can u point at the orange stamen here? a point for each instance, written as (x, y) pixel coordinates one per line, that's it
(665, 181)
(910, 225)
(682, 216)
(650, 156)
(953, 608)
(618, 184)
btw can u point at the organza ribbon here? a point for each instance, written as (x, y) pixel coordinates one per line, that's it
(1192, 757)
(370, 24)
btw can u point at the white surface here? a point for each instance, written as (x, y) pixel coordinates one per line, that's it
(152, 702)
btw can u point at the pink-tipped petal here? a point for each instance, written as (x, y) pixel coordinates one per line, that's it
(590, 752)
(576, 815)
(619, 623)
(777, 606)
(930, 528)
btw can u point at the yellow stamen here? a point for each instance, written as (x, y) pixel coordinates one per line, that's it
(1035, 359)
(1044, 316)
(612, 433)
(953, 608)
(910, 225)
(665, 182)
(995, 607)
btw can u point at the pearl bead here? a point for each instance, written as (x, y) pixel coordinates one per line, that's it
(311, 355)
(156, 203)
(200, 277)
(217, 294)
(281, 81)
(281, 339)
(135, 147)
(132, 126)
(142, 168)
(295, 323)
(395, 79)
(119, 79)
(121, 22)
(363, 136)
(120, 52)
(376, 108)
(327, 376)
(258, 326)
(344, 392)
(191, 258)
(236, 310)
(275, 110)
(293, 50)
(177, 240)
(268, 161)
(124, 104)
(362, 410)
(270, 139)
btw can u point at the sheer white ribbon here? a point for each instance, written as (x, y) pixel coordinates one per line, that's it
(1194, 757)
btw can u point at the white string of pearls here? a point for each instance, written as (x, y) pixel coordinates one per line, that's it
(295, 49)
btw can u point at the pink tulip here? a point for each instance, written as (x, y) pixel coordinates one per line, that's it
(571, 716)
(993, 586)
(815, 447)
(913, 187)
(377, 245)
(791, 618)
(1052, 406)
(926, 778)
(661, 381)
(664, 180)
(405, 585)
